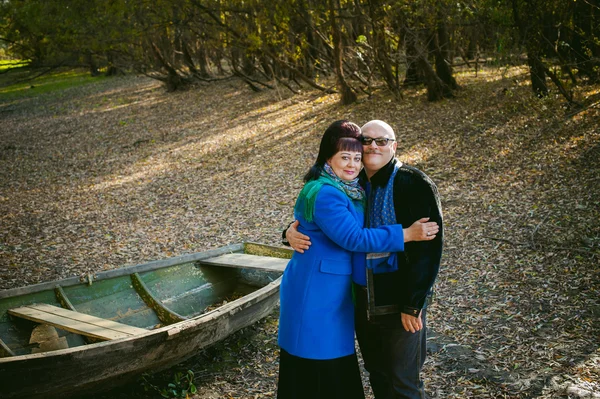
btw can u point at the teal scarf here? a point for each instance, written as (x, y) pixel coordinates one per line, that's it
(305, 204)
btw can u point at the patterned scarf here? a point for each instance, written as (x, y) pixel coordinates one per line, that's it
(305, 204)
(381, 212)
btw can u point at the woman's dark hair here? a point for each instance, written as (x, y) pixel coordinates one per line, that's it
(341, 135)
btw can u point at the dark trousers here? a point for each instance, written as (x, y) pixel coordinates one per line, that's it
(393, 356)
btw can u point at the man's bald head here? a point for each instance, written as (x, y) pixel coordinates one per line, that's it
(378, 127)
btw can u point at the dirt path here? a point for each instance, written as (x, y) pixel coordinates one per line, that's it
(121, 172)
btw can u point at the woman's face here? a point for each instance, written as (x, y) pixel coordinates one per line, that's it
(346, 164)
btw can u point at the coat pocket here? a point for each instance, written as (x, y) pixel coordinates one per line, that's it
(332, 266)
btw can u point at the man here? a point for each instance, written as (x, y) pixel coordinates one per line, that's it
(393, 345)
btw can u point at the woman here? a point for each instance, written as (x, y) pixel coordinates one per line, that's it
(316, 325)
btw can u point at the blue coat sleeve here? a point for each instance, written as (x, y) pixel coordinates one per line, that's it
(334, 218)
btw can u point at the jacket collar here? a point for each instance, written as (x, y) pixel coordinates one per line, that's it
(381, 177)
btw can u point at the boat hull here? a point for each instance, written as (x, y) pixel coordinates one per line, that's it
(107, 364)
(95, 367)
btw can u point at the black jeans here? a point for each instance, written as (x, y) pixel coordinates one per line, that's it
(393, 356)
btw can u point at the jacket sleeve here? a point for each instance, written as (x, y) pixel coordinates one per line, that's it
(284, 240)
(423, 257)
(334, 218)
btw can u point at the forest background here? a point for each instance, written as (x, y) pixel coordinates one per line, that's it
(195, 120)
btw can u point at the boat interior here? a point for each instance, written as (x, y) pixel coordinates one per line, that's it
(112, 307)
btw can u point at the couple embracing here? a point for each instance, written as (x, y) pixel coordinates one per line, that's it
(358, 267)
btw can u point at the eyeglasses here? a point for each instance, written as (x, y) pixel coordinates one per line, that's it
(381, 142)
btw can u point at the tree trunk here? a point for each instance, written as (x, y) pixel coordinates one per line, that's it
(473, 39)
(93, 68)
(267, 68)
(217, 59)
(382, 59)
(112, 69)
(537, 74)
(188, 58)
(302, 23)
(202, 62)
(563, 90)
(443, 65)
(529, 37)
(348, 95)
(582, 43)
(413, 75)
(248, 64)
(436, 89)
(172, 80)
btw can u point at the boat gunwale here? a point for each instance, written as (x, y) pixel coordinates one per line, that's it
(170, 331)
(122, 271)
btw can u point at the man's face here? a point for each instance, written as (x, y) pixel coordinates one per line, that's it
(376, 157)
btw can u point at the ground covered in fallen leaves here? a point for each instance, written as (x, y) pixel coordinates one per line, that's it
(120, 172)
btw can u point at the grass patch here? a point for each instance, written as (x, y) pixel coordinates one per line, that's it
(48, 83)
(7, 64)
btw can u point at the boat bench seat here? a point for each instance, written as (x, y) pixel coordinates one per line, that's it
(244, 260)
(76, 322)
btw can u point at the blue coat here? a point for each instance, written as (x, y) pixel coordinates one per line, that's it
(317, 314)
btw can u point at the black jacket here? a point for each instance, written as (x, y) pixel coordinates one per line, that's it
(415, 197)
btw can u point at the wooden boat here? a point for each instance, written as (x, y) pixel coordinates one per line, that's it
(72, 336)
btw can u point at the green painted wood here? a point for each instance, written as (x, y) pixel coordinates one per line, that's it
(257, 278)
(113, 299)
(254, 270)
(124, 271)
(164, 314)
(252, 248)
(5, 351)
(63, 299)
(117, 300)
(94, 367)
(188, 289)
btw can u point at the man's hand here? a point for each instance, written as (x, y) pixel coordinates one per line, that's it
(412, 323)
(421, 230)
(298, 241)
